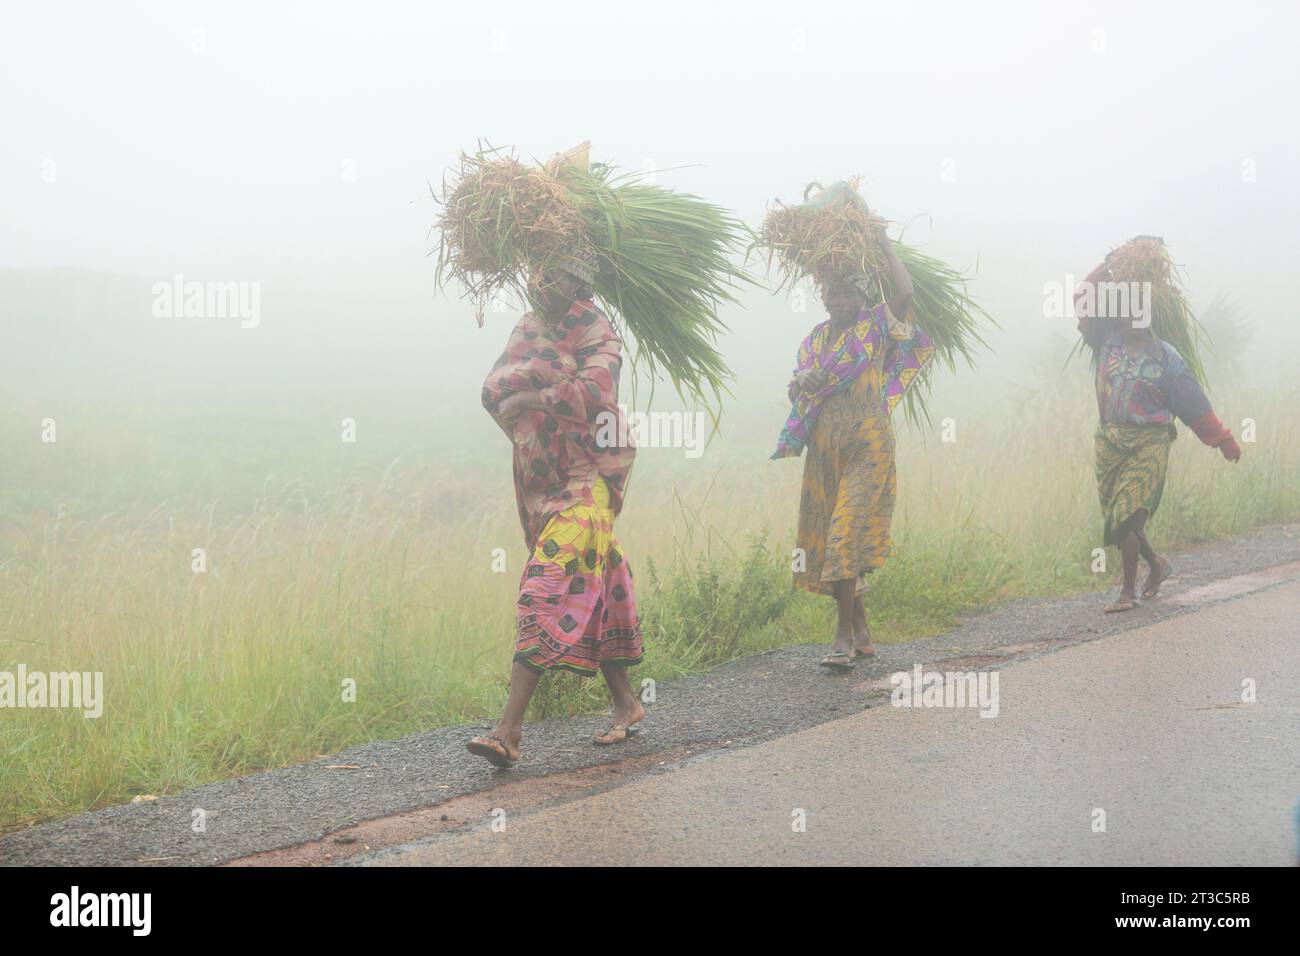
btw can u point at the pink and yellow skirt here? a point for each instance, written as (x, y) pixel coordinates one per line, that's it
(576, 607)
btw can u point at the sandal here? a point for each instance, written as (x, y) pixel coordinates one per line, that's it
(607, 736)
(492, 749)
(863, 653)
(1152, 587)
(618, 732)
(1122, 604)
(838, 660)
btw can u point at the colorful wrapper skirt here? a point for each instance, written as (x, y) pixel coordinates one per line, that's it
(846, 505)
(1132, 461)
(576, 608)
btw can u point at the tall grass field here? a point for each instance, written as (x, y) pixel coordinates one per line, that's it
(391, 564)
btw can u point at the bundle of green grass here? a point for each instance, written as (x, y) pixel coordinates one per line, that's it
(664, 257)
(1147, 259)
(834, 235)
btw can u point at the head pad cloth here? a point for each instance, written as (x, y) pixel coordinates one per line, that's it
(579, 262)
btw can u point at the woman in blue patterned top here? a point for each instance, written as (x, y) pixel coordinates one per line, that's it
(1143, 384)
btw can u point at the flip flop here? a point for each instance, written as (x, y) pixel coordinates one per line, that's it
(629, 731)
(858, 655)
(492, 749)
(1122, 604)
(838, 661)
(1152, 588)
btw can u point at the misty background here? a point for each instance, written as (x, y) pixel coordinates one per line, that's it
(294, 146)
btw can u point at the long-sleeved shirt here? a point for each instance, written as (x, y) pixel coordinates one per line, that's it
(1150, 388)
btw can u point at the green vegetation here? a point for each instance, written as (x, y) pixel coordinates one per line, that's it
(835, 236)
(664, 258)
(1147, 259)
(381, 572)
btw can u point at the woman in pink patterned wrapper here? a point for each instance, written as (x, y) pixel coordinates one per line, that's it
(554, 392)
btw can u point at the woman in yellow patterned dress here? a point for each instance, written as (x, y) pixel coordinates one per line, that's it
(852, 370)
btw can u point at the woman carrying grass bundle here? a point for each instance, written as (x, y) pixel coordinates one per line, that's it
(558, 377)
(563, 235)
(852, 369)
(892, 310)
(1143, 383)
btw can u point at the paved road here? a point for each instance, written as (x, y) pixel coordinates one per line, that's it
(1147, 725)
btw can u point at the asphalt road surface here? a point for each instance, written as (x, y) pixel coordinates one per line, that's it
(1147, 726)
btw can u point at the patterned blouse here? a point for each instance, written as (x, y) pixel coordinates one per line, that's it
(1146, 389)
(865, 348)
(562, 449)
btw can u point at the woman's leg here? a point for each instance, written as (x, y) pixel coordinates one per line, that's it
(862, 646)
(1160, 568)
(844, 601)
(523, 682)
(1144, 548)
(1137, 524)
(627, 707)
(1130, 545)
(858, 529)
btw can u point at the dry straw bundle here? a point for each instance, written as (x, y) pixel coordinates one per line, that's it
(1143, 259)
(828, 238)
(835, 235)
(1147, 259)
(664, 257)
(499, 211)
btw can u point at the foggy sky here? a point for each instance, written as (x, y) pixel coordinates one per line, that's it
(293, 145)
